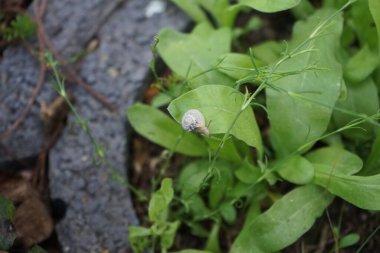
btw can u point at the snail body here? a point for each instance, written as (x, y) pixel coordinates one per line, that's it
(193, 120)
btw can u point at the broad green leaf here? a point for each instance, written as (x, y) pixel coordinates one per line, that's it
(213, 244)
(192, 56)
(159, 128)
(192, 9)
(242, 190)
(270, 5)
(362, 23)
(338, 159)
(197, 229)
(159, 203)
(139, 238)
(228, 212)
(363, 192)
(361, 99)
(282, 224)
(194, 173)
(300, 105)
(374, 7)
(168, 236)
(198, 208)
(220, 105)
(267, 52)
(349, 240)
(361, 65)
(248, 173)
(236, 65)
(303, 10)
(372, 164)
(191, 177)
(295, 169)
(253, 212)
(228, 152)
(219, 9)
(221, 183)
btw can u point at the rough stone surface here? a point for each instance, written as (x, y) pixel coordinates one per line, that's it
(70, 25)
(99, 209)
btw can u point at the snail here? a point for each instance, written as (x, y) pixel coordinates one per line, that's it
(194, 120)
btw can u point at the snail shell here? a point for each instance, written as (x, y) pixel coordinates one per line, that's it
(193, 120)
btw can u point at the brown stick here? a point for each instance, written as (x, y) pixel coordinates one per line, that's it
(73, 75)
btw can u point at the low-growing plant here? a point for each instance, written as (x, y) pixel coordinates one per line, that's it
(319, 95)
(21, 28)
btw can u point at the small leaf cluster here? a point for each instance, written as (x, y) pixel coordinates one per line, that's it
(162, 230)
(21, 28)
(319, 93)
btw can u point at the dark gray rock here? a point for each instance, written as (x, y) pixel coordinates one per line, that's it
(70, 25)
(99, 210)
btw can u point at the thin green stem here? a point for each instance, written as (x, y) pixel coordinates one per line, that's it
(99, 151)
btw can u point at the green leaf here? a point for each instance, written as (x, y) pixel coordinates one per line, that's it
(362, 23)
(159, 203)
(361, 65)
(191, 177)
(213, 244)
(192, 9)
(270, 5)
(253, 212)
(37, 249)
(363, 192)
(361, 99)
(248, 173)
(242, 190)
(167, 238)
(236, 65)
(192, 56)
(374, 7)
(139, 238)
(372, 165)
(221, 183)
(303, 10)
(219, 9)
(300, 105)
(228, 212)
(283, 223)
(349, 240)
(159, 128)
(228, 152)
(220, 105)
(198, 208)
(295, 169)
(268, 52)
(337, 159)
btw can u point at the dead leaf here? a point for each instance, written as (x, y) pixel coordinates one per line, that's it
(32, 220)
